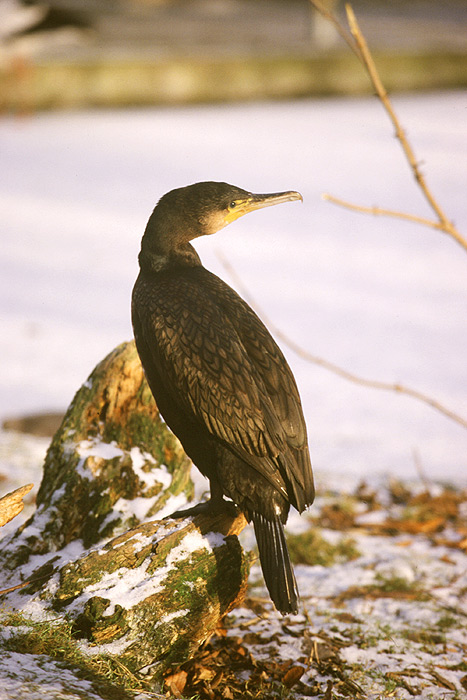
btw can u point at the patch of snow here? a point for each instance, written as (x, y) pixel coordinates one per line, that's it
(127, 587)
(98, 448)
(159, 475)
(173, 504)
(35, 677)
(375, 517)
(166, 619)
(403, 568)
(142, 540)
(215, 539)
(138, 507)
(191, 543)
(114, 648)
(56, 496)
(140, 458)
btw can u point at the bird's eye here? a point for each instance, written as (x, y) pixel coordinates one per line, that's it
(233, 204)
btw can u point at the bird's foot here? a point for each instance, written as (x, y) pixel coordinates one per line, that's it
(211, 507)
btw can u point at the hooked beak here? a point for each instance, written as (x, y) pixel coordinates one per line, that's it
(259, 201)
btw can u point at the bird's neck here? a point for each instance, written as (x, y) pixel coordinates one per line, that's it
(165, 246)
(157, 258)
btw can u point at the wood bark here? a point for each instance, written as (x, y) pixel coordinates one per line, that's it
(179, 580)
(147, 590)
(12, 504)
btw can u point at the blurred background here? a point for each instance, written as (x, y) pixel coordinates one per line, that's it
(105, 105)
(76, 53)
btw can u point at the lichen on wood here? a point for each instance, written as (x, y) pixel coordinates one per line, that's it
(112, 463)
(179, 579)
(146, 591)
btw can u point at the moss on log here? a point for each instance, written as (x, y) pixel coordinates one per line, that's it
(179, 579)
(147, 591)
(111, 464)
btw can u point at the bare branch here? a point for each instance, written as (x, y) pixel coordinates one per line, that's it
(330, 366)
(16, 588)
(356, 41)
(328, 14)
(367, 59)
(377, 211)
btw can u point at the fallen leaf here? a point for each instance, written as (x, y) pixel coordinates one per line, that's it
(176, 682)
(411, 527)
(433, 524)
(446, 560)
(292, 676)
(346, 617)
(336, 517)
(204, 674)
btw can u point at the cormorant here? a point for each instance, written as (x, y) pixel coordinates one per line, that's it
(219, 379)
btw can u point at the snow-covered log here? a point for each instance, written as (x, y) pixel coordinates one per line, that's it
(156, 592)
(98, 551)
(111, 465)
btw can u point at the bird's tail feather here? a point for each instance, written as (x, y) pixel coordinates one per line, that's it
(275, 563)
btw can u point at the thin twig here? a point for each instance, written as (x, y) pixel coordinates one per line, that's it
(15, 588)
(357, 43)
(330, 366)
(27, 583)
(328, 14)
(421, 472)
(378, 211)
(367, 59)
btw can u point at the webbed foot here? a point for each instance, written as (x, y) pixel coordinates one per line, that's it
(210, 507)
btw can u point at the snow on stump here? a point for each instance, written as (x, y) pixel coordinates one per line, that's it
(158, 591)
(149, 591)
(112, 464)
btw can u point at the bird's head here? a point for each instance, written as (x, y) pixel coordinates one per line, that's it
(206, 207)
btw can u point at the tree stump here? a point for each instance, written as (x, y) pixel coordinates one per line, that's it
(149, 591)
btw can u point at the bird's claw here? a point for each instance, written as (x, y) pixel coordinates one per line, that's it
(211, 507)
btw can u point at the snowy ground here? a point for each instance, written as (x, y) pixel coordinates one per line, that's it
(384, 299)
(383, 609)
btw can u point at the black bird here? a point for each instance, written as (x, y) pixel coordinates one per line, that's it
(219, 379)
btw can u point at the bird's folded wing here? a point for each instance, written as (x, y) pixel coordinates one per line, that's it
(269, 362)
(205, 363)
(221, 364)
